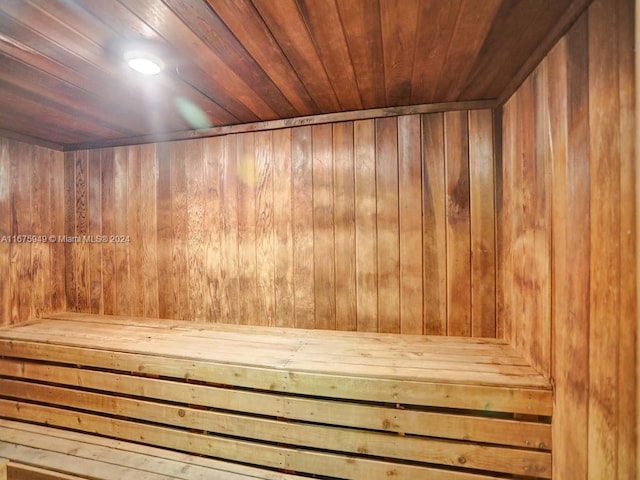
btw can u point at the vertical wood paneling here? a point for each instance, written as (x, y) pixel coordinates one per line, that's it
(164, 231)
(265, 229)
(283, 228)
(302, 212)
(247, 186)
(410, 224)
(434, 225)
(194, 172)
(568, 104)
(628, 462)
(179, 232)
(56, 282)
(604, 118)
(344, 224)
(229, 262)
(32, 272)
(567, 134)
(482, 208)
(339, 226)
(458, 224)
(107, 199)
(148, 242)
(21, 224)
(5, 231)
(69, 230)
(94, 199)
(366, 229)
(214, 150)
(80, 248)
(387, 225)
(121, 208)
(323, 228)
(40, 222)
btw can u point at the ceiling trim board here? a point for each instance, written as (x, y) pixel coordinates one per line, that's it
(30, 140)
(288, 123)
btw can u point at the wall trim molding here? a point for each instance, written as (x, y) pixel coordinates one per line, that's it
(288, 123)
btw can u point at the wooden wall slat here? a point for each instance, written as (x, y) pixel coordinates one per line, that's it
(410, 224)
(302, 213)
(605, 273)
(180, 230)
(323, 228)
(366, 234)
(315, 226)
(94, 190)
(164, 231)
(568, 103)
(628, 351)
(434, 225)
(5, 231)
(40, 222)
(344, 225)
(247, 267)
(20, 272)
(230, 301)
(265, 229)
(107, 214)
(194, 171)
(69, 230)
(283, 228)
(458, 224)
(133, 216)
(482, 211)
(387, 224)
(57, 215)
(214, 150)
(149, 230)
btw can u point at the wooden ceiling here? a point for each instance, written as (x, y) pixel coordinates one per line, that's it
(63, 82)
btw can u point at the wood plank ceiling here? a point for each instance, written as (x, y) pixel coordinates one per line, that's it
(64, 84)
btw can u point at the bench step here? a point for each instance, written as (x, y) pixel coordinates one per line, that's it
(407, 406)
(37, 452)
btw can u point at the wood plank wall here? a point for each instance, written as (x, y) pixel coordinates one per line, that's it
(31, 219)
(567, 236)
(372, 225)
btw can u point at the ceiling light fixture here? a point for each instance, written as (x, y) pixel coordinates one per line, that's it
(143, 63)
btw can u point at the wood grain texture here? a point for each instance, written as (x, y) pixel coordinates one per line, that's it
(65, 83)
(568, 175)
(605, 266)
(410, 224)
(344, 225)
(482, 211)
(324, 280)
(32, 263)
(315, 226)
(458, 226)
(434, 254)
(387, 221)
(366, 237)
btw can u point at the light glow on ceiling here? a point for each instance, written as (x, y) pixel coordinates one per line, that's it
(143, 63)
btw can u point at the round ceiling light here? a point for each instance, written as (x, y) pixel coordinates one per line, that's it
(143, 63)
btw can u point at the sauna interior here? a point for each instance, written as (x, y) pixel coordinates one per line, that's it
(335, 239)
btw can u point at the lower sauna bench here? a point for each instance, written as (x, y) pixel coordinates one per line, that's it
(290, 403)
